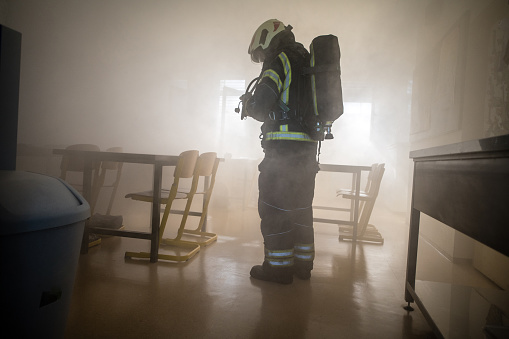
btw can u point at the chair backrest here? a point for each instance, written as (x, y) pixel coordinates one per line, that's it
(370, 202)
(186, 164)
(205, 164)
(206, 167)
(75, 163)
(376, 180)
(372, 173)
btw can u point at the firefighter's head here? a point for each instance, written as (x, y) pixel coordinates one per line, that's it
(267, 38)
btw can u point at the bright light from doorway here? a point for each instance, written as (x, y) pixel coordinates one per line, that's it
(351, 143)
(356, 120)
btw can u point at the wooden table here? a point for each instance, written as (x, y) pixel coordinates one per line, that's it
(466, 187)
(356, 185)
(93, 157)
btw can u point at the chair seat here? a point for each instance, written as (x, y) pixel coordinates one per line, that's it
(365, 191)
(362, 195)
(187, 192)
(347, 191)
(147, 196)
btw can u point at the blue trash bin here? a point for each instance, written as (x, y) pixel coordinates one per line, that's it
(42, 220)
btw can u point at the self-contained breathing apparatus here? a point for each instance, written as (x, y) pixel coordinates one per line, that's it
(324, 78)
(245, 97)
(322, 81)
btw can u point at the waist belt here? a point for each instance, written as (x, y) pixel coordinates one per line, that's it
(286, 135)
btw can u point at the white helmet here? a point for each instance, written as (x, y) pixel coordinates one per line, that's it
(263, 37)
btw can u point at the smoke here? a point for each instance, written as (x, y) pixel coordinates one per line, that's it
(146, 75)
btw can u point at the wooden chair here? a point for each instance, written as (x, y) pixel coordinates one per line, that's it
(369, 181)
(351, 191)
(109, 167)
(365, 231)
(75, 165)
(206, 168)
(184, 169)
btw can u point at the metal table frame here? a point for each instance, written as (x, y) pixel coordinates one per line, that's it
(92, 157)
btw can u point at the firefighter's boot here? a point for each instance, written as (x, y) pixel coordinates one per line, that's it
(302, 269)
(282, 275)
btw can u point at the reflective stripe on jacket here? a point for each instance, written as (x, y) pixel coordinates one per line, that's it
(283, 88)
(285, 134)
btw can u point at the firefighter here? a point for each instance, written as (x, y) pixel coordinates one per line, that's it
(287, 173)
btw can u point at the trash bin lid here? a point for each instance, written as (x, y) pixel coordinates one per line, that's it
(32, 202)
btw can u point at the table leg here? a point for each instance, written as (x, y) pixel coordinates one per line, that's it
(87, 194)
(413, 241)
(156, 213)
(352, 202)
(356, 208)
(206, 184)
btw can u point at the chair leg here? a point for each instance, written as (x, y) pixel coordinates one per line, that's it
(176, 242)
(371, 235)
(169, 257)
(210, 237)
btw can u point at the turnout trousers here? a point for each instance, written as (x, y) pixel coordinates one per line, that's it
(286, 189)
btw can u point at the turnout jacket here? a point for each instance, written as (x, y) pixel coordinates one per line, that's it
(276, 101)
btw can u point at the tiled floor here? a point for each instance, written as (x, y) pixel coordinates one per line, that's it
(354, 292)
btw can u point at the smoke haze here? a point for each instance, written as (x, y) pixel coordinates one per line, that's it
(146, 75)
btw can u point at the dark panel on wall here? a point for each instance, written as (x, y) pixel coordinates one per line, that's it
(10, 54)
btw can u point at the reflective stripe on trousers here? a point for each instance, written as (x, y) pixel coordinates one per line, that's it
(279, 258)
(304, 252)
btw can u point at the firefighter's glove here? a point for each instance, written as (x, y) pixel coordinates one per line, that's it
(245, 100)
